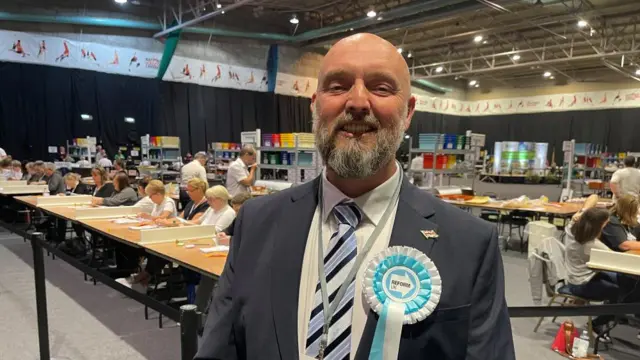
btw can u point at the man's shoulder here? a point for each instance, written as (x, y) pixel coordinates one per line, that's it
(273, 201)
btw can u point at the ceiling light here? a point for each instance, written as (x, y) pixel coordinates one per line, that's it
(638, 72)
(222, 12)
(477, 85)
(129, 120)
(350, 29)
(400, 50)
(294, 20)
(379, 18)
(371, 13)
(407, 136)
(485, 42)
(552, 77)
(473, 82)
(410, 54)
(478, 38)
(582, 23)
(516, 57)
(86, 117)
(121, 1)
(439, 69)
(218, 5)
(546, 74)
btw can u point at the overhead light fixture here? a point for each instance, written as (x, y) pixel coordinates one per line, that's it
(379, 18)
(407, 136)
(546, 74)
(485, 42)
(121, 1)
(372, 13)
(439, 69)
(552, 77)
(473, 83)
(582, 23)
(478, 38)
(477, 85)
(218, 5)
(222, 12)
(399, 50)
(515, 57)
(410, 54)
(129, 120)
(86, 117)
(638, 72)
(350, 29)
(294, 20)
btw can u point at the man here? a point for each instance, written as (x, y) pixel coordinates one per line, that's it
(194, 169)
(242, 172)
(54, 180)
(38, 176)
(104, 159)
(418, 164)
(99, 153)
(267, 292)
(626, 180)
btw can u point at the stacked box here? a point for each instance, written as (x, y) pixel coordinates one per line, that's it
(306, 140)
(287, 140)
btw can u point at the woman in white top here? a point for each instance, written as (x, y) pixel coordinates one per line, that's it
(220, 213)
(164, 207)
(145, 203)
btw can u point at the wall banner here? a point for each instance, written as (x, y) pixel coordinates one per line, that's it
(293, 85)
(206, 73)
(54, 51)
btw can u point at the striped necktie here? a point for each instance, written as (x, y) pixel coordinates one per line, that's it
(338, 262)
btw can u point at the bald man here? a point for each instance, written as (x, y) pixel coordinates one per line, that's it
(294, 282)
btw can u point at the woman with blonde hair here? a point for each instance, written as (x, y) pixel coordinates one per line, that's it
(620, 233)
(164, 207)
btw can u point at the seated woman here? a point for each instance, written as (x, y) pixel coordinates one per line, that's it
(104, 188)
(582, 235)
(123, 195)
(618, 235)
(164, 207)
(145, 203)
(219, 213)
(195, 208)
(224, 237)
(16, 170)
(74, 186)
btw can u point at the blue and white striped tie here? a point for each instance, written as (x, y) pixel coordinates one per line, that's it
(338, 262)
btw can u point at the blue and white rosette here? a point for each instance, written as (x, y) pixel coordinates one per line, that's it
(403, 286)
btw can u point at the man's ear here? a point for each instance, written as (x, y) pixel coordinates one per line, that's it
(312, 106)
(411, 108)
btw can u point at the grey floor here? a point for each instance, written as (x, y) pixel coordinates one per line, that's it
(96, 323)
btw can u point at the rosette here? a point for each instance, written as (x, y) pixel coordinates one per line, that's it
(403, 286)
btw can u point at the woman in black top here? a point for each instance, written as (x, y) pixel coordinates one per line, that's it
(123, 194)
(622, 229)
(104, 188)
(194, 209)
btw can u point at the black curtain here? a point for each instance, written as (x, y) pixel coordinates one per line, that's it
(40, 106)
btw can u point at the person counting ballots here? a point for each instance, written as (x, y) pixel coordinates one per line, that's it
(317, 278)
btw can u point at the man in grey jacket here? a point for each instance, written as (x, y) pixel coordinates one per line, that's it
(54, 179)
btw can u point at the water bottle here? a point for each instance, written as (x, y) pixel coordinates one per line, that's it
(581, 345)
(46, 191)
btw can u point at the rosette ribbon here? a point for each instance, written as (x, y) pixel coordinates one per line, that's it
(403, 286)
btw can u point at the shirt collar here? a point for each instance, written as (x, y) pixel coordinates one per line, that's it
(372, 204)
(239, 160)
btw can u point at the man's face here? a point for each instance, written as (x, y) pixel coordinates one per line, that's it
(249, 159)
(48, 172)
(362, 106)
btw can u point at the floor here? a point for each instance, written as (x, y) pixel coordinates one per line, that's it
(90, 322)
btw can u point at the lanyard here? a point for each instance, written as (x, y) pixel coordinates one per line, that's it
(330, 310)
(195, 206)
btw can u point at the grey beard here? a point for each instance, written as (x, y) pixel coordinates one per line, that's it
(356, 161)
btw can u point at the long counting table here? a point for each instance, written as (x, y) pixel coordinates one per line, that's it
(192, 258)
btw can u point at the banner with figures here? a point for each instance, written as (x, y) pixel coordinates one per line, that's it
(55, 51)
(595, 100)
(206, 73)
(293, 85)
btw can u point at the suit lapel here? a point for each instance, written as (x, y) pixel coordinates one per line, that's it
(288, 254)
(412, 217)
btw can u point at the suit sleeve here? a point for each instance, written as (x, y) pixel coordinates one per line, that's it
(218, 340)
(490, 334)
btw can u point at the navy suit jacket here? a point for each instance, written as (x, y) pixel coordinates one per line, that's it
(254, 313)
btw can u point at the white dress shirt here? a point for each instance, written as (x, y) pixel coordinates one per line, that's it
(3, 154)
(146, 205)
(221, 218)
(105, 162)
(237, 171)
(166, 205)
(373, 205)
(191, 171)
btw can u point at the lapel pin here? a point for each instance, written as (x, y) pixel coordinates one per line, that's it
(429, 234)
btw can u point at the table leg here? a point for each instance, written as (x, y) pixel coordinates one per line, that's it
(188, 331)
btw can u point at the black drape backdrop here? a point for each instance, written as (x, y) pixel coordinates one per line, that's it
(40, 106)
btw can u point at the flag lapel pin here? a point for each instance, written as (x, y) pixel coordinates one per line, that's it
(429, 234)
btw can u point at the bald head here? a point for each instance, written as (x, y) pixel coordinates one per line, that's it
(372, 49)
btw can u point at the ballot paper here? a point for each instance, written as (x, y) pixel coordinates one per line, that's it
(143, 227)
(126, 221)
(219, 248)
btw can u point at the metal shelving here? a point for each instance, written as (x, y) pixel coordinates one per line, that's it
(293, 168)
(470, 153)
